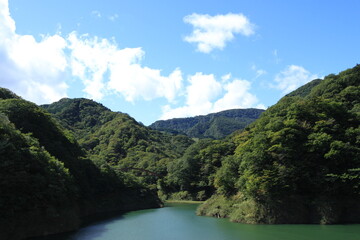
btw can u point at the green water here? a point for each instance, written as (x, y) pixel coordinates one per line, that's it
(178, 221)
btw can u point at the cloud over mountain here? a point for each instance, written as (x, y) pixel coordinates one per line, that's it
(292, 77)
(45, 69)
(205, 94)
(41, 71)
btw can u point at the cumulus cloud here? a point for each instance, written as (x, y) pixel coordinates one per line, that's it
(202, 89)
(135, 81)
(8, 24)
(212, 32)
(103, 67)
(205, 94)
(237, 95)
(89, 60)
(34, 68)
(293, 77)
(38, 70)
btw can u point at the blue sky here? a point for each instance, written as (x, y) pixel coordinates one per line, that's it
(164, 59)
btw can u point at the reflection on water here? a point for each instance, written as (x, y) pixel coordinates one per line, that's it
(178, 221)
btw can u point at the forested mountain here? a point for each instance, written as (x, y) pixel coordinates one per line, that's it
(118, 139)
(157, 159)
(175, 165)
(299, 162)
(48, 184)
(214, 125)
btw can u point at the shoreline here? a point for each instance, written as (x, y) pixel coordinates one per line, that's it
(183, 201)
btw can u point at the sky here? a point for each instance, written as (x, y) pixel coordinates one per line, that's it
(161, 59)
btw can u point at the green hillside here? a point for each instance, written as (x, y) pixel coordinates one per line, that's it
(156, 158)
(48, 183)
(299, 162)
(118, 139)
(214, 125)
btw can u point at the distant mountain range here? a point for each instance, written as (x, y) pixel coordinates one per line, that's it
(214, 125)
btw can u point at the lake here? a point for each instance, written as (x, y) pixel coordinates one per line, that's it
(179, 222)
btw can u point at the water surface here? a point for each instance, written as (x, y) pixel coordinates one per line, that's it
(178, 221)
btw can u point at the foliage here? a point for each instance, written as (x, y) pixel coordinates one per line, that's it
(29, 175)
(119, 140)
(303, 150)
(81, 116)
(297, 163)
(43, 167)
(217, 206)
(195, 171)
(159, 160)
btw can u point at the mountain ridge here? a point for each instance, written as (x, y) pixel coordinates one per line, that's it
(299, 162)
(214, 125)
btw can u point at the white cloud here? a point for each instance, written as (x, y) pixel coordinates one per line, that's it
(293, 77)
(205, 94)
(202, 89)
(212, 32)
(237, 96)
(7, 26)
(38, 70)
(34, 57)
(134, 81)
(35, 69)
(89, 61)
(104, 67)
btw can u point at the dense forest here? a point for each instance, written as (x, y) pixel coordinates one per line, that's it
(48, 183)
(214, 125)
(119, 140)
(160, 160)
(299, 162)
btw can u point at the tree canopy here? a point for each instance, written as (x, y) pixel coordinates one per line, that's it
(299, 162)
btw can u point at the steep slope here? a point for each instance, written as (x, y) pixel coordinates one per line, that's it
(215, 125)
(118, 139)
(48, 185)
(36, 188)
(299, 162)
